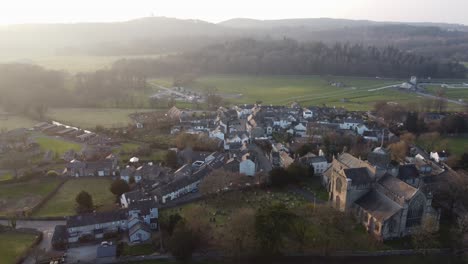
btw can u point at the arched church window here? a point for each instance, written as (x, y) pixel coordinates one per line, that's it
(415, 212)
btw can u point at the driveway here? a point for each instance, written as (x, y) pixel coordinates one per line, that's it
(82, 254)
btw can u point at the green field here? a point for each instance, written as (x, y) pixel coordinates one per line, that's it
(63, 203)
(73, 64)
(23, 196)
(308, 90)
(57, 145)
(13, 245)
(451, 93)
(14, 121)
(458, 145)
(6, 176)
(89, 118)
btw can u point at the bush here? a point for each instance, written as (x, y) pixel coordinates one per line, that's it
(111, 235)
(279, 177)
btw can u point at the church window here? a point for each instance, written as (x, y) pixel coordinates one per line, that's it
(415, 212)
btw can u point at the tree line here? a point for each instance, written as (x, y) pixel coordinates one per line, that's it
(31, 89)
(290, 57)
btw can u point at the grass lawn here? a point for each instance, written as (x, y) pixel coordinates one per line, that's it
(137, 250)
(6, 176)
(457, 145)
(127, 150)
(91, 117)
(57, 145)
(63, 203)
(13, 244)
(22, 196)
(15, 121)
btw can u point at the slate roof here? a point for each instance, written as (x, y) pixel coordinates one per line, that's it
(135, 196)
(378, 205)
(378, 159)
(397, 187)
(60, 234)
(96, 218)
(317, 159)
(139, 226)
(143, 206)
(359, 176)
(408, 171)
(106, 251)
(182, 182)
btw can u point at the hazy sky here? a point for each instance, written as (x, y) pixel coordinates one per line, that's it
(51, 11)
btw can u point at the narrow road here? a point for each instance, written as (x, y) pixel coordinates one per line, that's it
(445, 99)
(263, 163)
(172, 91)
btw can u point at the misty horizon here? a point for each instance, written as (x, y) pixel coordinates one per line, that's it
(52, 11)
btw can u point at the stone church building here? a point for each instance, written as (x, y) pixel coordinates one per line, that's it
(386, 206)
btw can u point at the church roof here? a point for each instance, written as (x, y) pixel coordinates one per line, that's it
(378, 205)
(352, 162)
(397, 187)
(359, 176)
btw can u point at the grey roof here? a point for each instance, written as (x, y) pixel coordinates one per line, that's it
(96, 218)
(378, 205)
(139, 226)
(182, 182)
(106, 251)
(397, 187)
(378, 159)
(143, 206)
(135, 196)
(354, 121)
(317, 159)
(60, 234)
(359, 176)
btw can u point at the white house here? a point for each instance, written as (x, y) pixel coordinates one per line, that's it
(439, 156)
(306, 113)
(350, 123)
(319, 163)
(217, 134)
(247, 167)
(361, 128)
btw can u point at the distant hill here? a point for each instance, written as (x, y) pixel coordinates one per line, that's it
(326, 24)
(156, 35)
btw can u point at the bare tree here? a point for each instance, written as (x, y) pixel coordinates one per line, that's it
(424, 237)
(240, 238)
(399, 150)
(221, 180)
